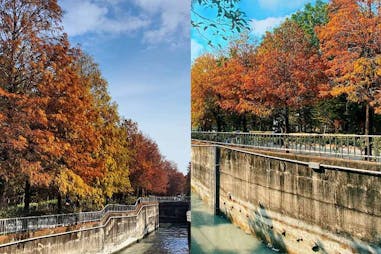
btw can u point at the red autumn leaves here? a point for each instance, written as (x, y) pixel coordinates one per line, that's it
(289, 70)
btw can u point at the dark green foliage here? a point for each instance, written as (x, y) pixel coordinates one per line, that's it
(338, 115)
(310, 17)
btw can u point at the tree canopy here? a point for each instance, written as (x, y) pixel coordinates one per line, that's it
(319, 71)
(60, 132)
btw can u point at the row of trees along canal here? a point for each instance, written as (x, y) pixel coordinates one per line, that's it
(61, 137)
(319, 71)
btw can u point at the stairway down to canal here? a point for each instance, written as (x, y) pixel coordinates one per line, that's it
(215, 234)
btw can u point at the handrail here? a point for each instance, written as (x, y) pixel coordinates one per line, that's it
(172, 198)
(73, 231)
(140, 199)
(288, 134)
(350, 146)
(32, 223)
(305, 163)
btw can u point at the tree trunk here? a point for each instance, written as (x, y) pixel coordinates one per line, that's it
(218, 119)
(244, 123)
(286, 121)
(219, 125)
(59, 203)
(26, 197)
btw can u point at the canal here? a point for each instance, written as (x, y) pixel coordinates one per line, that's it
(169, 238)
(215, 234)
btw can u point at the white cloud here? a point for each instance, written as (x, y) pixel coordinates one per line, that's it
(259, 27)
(196, 49)
(173, 24)
(85, 16)
(281, 4)
(165, 21)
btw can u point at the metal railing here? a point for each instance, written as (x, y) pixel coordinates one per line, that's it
(33, 223)
(173, 199)
(352, 147)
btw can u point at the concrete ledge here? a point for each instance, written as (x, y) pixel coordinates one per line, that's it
(115, 234)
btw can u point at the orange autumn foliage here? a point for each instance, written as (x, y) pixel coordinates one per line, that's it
(289, 67)
(147, 173)
(351, 43)
(204, 100)
(59, 129)
(234, 83)
(46, 128)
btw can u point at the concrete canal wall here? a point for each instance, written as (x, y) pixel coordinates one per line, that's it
(203, 174)
(115, 232)
(290, 205)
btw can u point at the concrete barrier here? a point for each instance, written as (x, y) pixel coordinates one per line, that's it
(294, 207)
(116, 232)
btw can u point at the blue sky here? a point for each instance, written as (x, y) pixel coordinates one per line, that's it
(263, 15)
(143, 50)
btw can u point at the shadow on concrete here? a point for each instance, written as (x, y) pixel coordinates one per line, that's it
(358, 247)
(320, 248)
(262, 226)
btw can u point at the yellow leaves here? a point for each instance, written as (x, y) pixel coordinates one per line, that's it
(363, 67)
(339, 90)
(70, 183)
(202, 94)
(359, 83)
(378, 66)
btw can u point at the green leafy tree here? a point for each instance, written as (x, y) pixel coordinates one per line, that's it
(227, 19)
(310, 17)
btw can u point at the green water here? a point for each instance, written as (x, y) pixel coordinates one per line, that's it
(215, 234)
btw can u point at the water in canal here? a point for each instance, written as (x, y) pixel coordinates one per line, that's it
(215, 234)
(168, 238)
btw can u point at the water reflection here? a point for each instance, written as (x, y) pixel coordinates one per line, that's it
(169, 238)
(215, 234)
